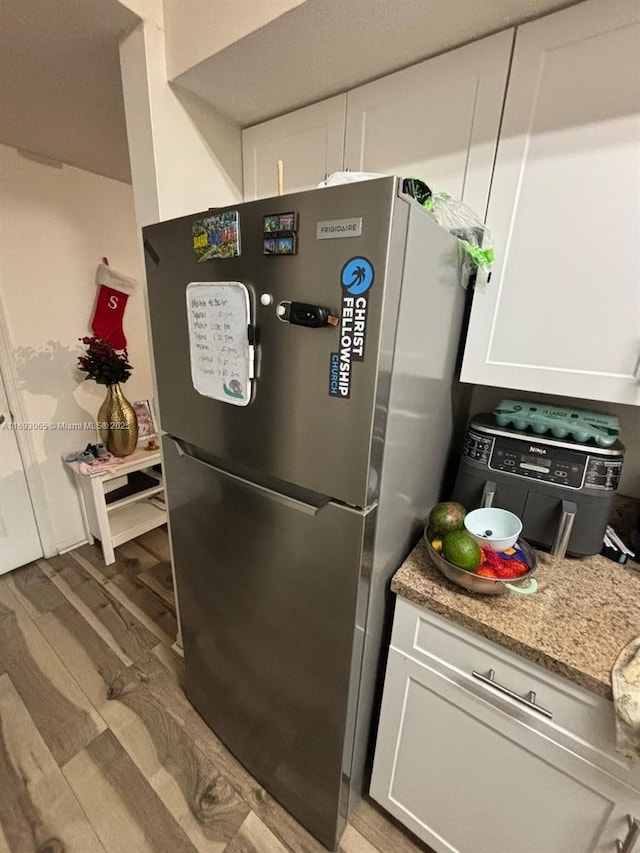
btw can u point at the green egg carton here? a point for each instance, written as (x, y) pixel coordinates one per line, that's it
(561, 422)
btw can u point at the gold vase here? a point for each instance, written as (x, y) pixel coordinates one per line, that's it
(117, 421)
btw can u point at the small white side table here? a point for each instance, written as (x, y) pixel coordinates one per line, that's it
(122, 519)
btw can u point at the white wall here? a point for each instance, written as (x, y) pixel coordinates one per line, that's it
(484, 399)
(197, 30)
(56, 222)
(185, 157)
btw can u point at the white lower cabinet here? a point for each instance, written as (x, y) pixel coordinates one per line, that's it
(471, 771)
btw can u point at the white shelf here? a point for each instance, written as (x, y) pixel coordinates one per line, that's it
(137, 496)
(134, 519)
(138, 461)
(132, 515)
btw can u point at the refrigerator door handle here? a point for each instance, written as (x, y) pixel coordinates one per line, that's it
(272, 494)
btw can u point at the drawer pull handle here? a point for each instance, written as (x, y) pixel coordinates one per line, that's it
(633, 835)
(529, 700)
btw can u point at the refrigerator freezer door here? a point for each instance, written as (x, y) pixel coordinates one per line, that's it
(293, 429)
(267, 588)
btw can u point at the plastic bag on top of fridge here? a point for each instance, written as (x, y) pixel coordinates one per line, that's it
(474, 238)
(337, 178)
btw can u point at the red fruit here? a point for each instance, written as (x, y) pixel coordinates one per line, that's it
(519, 568)
(491, 558)
(485, 572)
(503, 572)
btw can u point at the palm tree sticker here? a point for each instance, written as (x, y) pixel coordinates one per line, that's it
(357, 276)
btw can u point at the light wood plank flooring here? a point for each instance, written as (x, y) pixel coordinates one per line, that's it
(100, 749)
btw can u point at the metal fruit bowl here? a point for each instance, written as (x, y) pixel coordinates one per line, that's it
(524, 585)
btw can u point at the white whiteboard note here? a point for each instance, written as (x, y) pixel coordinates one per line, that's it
(219, 315)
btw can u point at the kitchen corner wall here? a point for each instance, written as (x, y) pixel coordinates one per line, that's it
(185, 156)
(56, 222)
(484, 399)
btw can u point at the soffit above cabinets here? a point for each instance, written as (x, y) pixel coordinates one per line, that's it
(323, 47)
(61, 92)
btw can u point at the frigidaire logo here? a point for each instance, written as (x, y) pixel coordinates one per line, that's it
(331, 229)
(540, 450)
(328, 229)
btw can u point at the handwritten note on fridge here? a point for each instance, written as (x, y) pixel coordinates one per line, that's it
(221, 356)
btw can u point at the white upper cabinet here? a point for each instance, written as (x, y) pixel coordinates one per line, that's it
(561, 314)
(437, 121)
(310, 143)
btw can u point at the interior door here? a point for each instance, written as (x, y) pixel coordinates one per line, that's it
(267, 585)
(19, 540)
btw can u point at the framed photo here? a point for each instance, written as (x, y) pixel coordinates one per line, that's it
(279, 222)
(286, 245)
(279, 245)
(270, 223)
(146, 423)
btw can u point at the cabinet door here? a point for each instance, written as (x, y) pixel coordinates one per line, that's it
(437, 121)
(310, 143)
(466, 776)
(562, 312)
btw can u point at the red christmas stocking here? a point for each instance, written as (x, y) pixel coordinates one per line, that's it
(114, 290)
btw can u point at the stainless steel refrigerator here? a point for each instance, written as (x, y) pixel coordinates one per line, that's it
(291, 508)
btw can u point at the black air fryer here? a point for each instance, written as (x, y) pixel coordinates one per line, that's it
(562, 490)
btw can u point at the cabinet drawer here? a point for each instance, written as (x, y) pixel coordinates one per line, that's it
(581, 720)
(468, 778)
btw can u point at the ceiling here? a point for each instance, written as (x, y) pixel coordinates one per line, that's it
(61, 94)
(324, 47)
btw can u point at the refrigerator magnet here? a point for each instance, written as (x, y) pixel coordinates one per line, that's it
(216, 236)
(279, 233)
(279, 245)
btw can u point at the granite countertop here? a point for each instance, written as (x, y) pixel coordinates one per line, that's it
(577, 623)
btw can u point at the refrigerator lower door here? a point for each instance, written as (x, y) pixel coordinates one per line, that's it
(267, 586)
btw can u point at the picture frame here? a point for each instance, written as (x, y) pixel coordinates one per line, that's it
(280, 244)
(277, 223)
(147, 429)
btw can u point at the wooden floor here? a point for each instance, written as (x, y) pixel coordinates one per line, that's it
(99, 748)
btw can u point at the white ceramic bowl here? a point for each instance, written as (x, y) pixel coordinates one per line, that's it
(498, 529)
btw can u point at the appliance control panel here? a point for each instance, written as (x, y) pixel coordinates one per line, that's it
(523, 457)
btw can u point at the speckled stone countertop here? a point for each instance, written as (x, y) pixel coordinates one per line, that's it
(584, 612)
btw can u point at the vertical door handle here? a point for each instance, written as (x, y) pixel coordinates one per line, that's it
(563, 531)
(636, 370)
(488, 494)
(633, 835)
